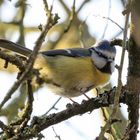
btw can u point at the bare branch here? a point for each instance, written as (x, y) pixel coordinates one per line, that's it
(56, 135)
(27, 110)
(21, 23)
(110, 20)
(109, 9)
(40, 123)
(51, 22)
(72, 13)
(118, 90)
(53, 106)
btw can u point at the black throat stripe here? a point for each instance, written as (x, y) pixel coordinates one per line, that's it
(106, 68)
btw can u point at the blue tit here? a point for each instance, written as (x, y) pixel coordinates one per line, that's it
(72, 72)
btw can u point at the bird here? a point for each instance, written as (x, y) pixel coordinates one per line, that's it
(72, 72)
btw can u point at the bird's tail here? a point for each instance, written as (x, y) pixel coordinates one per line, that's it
(6, 44)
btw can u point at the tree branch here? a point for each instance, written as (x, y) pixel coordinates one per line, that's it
(52, 20)
(40, 123)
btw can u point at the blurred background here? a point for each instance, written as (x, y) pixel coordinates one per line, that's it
(94, 20)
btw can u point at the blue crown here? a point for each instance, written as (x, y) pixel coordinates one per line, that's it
(105, 46)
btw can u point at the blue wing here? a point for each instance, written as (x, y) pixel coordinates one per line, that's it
(77, 52)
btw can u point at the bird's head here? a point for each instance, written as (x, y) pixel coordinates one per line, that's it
(103, 56)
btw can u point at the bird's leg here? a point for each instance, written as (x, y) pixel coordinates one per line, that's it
(73, 101)
(86, 96)
(84, 90)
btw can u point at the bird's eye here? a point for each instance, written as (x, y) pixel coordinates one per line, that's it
(112, 58)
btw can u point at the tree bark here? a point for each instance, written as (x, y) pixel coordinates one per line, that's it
(133, 80)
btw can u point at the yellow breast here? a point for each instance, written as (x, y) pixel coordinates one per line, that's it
(70, 76)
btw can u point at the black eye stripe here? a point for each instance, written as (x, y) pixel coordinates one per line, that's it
(100, 54)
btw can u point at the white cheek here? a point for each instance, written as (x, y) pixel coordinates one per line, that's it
(98, 61)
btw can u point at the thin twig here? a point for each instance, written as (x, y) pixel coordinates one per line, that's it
(21, 39)
(72, 13)
(56, 135)
(109, 9)
(64, 5)
(27, 110)
(46, 5)
(104, 111)
(51, 22)
(118, 91)
(117, 34)
(110, 20)
(114, 22)
(126, 135)
(82, 4)
(53, 106)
